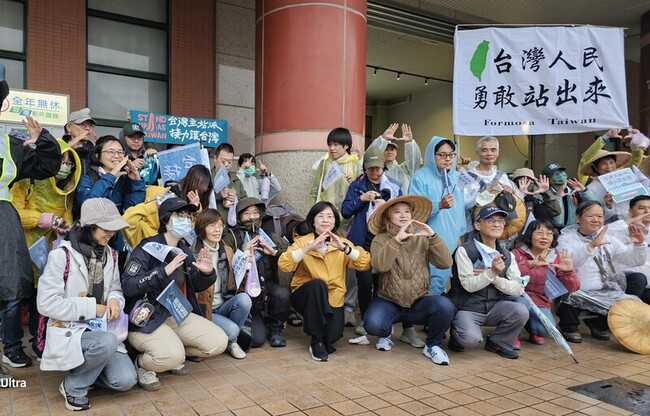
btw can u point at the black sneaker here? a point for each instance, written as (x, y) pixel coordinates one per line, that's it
(16, 358)
(454, 345)
(318, 351)
(74, 403)
(276, 338)
(493, 347)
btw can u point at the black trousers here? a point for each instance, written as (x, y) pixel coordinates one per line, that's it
(569, 321)
(367, 287)
(320, 320)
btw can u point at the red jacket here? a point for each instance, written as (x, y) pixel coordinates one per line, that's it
(535, 287)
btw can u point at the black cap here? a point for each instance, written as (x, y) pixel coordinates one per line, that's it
(174, 205)
(132, 128)
(551, 168)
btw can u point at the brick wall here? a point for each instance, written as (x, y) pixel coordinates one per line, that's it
(56, 48)
(192, 56)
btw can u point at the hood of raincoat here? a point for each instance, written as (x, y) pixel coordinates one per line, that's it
(430, 160)
(65, 148)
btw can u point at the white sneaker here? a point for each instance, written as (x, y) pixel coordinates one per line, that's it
(180, 370)
(384, 344)
(437, 355)
(362, 340)
(148, 380)
(411, 337)
(360, 330)
(235, 350)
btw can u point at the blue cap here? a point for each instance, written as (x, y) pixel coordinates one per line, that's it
(489, 211)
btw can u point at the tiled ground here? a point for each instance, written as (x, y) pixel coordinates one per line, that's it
(358, 380)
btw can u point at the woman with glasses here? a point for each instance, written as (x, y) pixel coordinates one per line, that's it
(113, 176)
(225, 304)
(436, 180)
(156, 263)
(45, 209)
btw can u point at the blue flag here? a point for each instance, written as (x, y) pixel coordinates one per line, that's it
(173, 300)
(38, 253)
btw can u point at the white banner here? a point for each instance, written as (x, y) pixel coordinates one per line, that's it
(538, 80)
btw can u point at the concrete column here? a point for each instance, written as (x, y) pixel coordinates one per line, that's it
(310, 78)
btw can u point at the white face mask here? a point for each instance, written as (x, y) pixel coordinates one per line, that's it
(181, 227)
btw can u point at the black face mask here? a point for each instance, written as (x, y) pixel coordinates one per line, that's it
(250, 225)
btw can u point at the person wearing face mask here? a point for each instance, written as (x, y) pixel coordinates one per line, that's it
(163, 343)
(143, 217)
(270, 309)
(45, 209)
(252, 183)
(570, 192)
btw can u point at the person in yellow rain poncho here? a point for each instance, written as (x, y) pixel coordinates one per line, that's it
(339, 143)
(143, 217)
(45, 206)
(45, 209)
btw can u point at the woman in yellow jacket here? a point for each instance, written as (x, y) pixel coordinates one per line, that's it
(45, 208)
(46, 205)
(319, 260)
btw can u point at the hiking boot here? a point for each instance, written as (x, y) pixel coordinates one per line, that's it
(318, 351)
(517, 344)
(573, 337)
(148, 380)
(16, 358)
(493, 347)
(180, 370)
(536, 339)
(348, 317)
(235, 350)
(599, 334)
(411, 337)
(276, 338)
(437, 355)
(74, 403)
(360, 330)
(454, 345)
(384, 343)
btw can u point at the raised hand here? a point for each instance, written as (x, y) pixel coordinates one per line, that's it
(609, 200)
(424, 228)
(566, 261)
(33, 126)
(407, 135)
(613, 134)
(175, 263)
(498, 264)
(599, 240)
(316, 243)
(204, 261)
(335, 241)
(265, 248)
(262, 166)
(403, 234)
(193, 198)
(117, 170)
(575, 185)
(132, 172)
(251, 244)
(543, 184)
(637, 236)
(389, 133)
(523, 183)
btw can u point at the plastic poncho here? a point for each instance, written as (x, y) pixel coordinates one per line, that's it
(448, 223)
(44, 196)
(335, 194)
(401, 172)
(637, 157)
(143, 218)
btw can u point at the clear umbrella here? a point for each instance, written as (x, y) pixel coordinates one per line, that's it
(550, 327)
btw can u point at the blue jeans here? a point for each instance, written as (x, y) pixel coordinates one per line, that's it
(232, 314)
(534, 326)
(103, 365)
(12, 326)
(439, 280)
(436, 312)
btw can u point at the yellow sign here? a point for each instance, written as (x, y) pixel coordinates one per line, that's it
(49, 109)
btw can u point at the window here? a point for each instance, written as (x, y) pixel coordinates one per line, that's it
(127, 59)
(12, 41)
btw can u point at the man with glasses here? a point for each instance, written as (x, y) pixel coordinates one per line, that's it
(80, 134)
(224, 155)
(483, 273)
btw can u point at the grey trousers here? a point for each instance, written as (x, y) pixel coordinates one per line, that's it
(508, 318)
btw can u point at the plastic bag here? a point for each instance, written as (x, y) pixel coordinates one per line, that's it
(119, 326)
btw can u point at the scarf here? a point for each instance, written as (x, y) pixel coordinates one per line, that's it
(95, 256)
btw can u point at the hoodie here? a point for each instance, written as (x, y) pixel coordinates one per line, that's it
(449, 223)
(33, 198)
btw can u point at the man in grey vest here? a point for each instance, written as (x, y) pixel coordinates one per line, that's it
(483, 274)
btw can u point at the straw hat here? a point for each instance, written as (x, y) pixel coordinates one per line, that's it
(621, 159)
(421, 209)
(629, 321)
(523, 172)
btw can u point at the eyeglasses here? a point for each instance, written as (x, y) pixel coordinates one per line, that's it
(182, 215)
(446, 155)
(112, 152)
(495, 221)
(215, 227)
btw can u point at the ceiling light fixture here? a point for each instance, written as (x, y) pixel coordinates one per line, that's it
(399, 74)
(426, 81)
(375, 71)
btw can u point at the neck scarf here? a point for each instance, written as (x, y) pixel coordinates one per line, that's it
(95, 256)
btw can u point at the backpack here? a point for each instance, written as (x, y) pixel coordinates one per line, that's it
(41, 330)
(277, 217)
